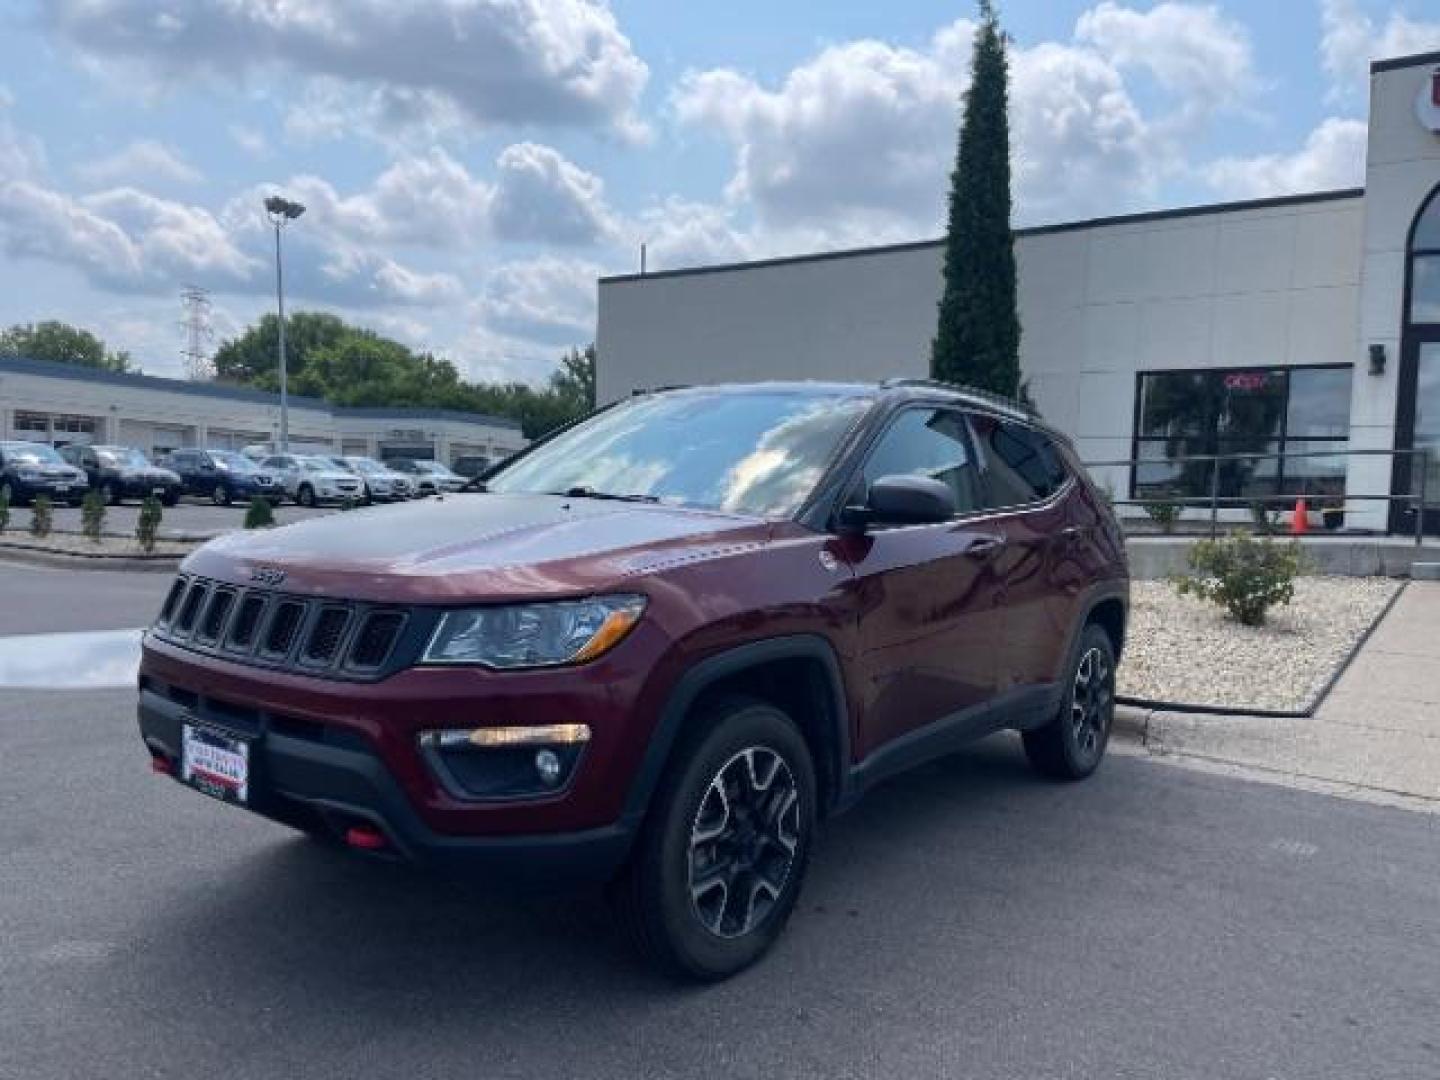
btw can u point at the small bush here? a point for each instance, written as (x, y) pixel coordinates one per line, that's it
(259, 514)
(1164, 514)
(92, 515)
(1244, 575)
(1267, 521)
(147, 525)
(4, 510)
(349, 502)
(42, 516)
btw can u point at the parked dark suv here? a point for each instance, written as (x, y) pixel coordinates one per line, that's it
(121, 472)
(29, 469)
(223, 476)
(658, 649)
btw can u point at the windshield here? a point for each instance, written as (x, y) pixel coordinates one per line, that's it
(318, 464)
(366, 465)
(33, 454)
(232, 461)
(750, 452)
(124, 457)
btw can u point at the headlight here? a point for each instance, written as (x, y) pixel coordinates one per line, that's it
(534, 635)
(29, 474)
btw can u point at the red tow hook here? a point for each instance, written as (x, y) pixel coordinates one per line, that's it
(161, 765)
(366, 838)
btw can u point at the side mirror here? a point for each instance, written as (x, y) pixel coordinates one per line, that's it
(904, 499)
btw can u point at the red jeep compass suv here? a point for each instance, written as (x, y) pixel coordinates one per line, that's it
(657, 648)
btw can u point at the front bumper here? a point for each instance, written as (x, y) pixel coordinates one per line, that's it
(328, 780)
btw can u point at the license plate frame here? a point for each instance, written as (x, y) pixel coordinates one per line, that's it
(215, 762)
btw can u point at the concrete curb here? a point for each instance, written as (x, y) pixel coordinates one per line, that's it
(62, 560)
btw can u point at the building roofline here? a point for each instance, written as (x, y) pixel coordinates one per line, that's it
(55, 370)
(1413, 60)
(408, 412)
(1033, 230)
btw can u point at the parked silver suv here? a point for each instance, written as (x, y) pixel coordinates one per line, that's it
(311, 479)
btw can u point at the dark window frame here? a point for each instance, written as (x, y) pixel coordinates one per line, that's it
(1281, 438)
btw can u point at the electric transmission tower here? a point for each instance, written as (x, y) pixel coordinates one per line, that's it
(198, 333)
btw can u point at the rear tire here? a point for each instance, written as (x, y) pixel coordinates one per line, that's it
(305, 496)
(719, 863)
(1072, 745)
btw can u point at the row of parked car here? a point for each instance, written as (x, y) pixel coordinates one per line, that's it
(223, 476)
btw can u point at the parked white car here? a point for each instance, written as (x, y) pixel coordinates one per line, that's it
(430, 477)
(382, 483)
(311, 480)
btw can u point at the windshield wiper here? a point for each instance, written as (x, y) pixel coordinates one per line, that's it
(591, 493)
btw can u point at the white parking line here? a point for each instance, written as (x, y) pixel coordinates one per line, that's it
(94, 659)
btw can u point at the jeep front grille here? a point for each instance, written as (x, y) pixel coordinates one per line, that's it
(338, 639)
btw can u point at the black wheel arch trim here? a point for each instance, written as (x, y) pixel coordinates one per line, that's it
(735, 660)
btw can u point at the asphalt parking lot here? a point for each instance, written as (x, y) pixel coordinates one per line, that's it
(969, 920)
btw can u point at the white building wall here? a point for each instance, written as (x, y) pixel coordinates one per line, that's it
(1402, 168)
(1269, 286)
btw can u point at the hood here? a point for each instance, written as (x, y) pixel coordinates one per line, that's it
(477, 547)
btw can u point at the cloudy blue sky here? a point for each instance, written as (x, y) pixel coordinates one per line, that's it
(471, 166)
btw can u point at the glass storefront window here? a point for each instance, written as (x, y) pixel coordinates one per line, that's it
(1241, 412)
(1425, 289)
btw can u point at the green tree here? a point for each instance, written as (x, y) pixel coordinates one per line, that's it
(978, 338)
(92, 515)
(62, 343)
(147, 523)
(350, 365)
(253, 357)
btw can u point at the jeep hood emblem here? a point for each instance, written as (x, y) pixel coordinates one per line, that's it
(267, 575)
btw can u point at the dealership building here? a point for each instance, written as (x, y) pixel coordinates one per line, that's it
(1304, 324)
(62, 404)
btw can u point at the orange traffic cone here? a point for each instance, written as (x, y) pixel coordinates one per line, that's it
(1300, 518)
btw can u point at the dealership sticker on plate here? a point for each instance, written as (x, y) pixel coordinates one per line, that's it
(215, 764)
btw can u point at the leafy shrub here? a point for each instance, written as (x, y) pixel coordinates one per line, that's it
(4, 509)
(42, 516)
(1164, 514)
(1266, 520)
(259, 514)
(147, 525)
(1244, 575)
(92, 515)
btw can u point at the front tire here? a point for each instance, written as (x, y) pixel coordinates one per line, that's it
(170, 498)
(1072, 745)
(220, 496)
(719, 863)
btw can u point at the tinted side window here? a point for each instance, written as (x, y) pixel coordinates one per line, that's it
(1022, 464)
(928, 442)
(182, 460)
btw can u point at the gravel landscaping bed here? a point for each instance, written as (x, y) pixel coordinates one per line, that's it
(1180, 649)
(108, 547)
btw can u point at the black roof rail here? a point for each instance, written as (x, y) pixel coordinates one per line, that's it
(642, 390)
(987, 397)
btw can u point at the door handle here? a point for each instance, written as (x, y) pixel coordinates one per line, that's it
(985, 546)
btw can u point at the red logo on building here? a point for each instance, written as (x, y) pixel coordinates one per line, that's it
(1246, 380)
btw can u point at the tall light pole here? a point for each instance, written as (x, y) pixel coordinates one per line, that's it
(282, 211)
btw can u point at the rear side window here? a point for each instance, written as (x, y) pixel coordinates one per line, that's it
(927, 442)
(1023, 465)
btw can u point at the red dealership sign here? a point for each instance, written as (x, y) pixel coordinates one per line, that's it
(1246, 380)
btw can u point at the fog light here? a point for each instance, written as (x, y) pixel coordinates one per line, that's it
(547, 764)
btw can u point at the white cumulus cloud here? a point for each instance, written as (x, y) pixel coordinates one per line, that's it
(140, 161)
(1352, 39)
(542, 197)
(1333, 157)
(505, 62)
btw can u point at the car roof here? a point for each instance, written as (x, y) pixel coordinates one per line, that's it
(897, 388)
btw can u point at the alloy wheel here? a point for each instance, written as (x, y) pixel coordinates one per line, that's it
(743, 842)
(1092, 702)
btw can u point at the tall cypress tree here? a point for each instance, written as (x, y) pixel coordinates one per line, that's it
(978, 339)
